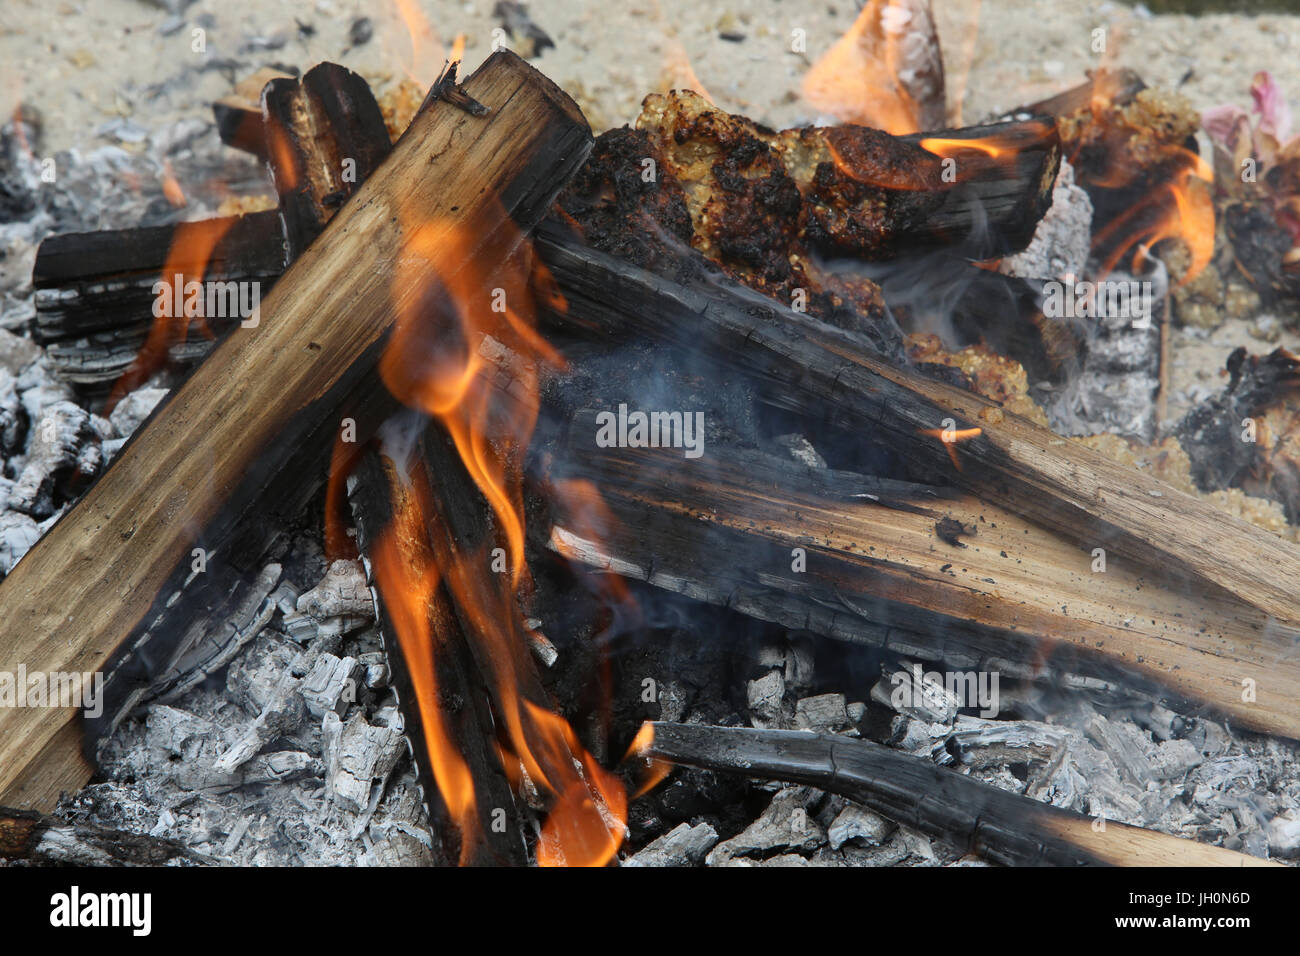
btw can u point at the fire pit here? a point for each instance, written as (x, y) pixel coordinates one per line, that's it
(415, 465)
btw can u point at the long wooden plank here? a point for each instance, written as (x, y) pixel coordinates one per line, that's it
(1008, 595)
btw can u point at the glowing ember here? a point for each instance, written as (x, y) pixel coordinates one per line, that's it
(950, 437)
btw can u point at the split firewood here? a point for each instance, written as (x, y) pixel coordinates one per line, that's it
(48, 841)
(263, 410)
(95, 290)
(378, 492)
(953, 578)
(942, 432)
(324, 137)
(996, 824)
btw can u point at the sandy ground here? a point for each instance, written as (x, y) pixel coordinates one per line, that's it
(82, 64)
(85, 65)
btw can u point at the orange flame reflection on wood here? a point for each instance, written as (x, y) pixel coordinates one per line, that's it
(192, 248)
(407, 577)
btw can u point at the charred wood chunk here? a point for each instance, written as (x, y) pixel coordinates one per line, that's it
(1262, 250)
(1239, 438)
(627, 204)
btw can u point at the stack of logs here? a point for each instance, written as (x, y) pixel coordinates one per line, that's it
(229, 458)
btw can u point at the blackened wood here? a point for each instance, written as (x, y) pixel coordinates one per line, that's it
(198, 472)
(239, 113)
(1003, 186)
(324, 136)
(48, 841)
(804, 365)
(463, 692)
(979, 818)
(94, 291)
(806, 551)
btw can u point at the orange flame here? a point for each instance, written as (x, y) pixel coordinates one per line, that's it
(656, 770)
(407, 577)
(1182, 207)
(419, 50)
(465, 351)
(991, 146)
(193, 244)
(950, 438)
(857, 79)
(170, 187)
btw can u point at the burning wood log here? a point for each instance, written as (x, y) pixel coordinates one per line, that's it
(324, 137)
(1001, 826)
(95, 290)
(379, 493)
(804, 365)
(846, 557)
(857, 192)
(215, 456)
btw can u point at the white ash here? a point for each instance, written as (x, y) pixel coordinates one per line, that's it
(130, 413)
(1063, 238)
(342, 602)
(685, 845)
(63, 457)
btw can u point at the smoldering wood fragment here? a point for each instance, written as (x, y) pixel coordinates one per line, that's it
(1212, 432)
(35, 838)
(342, 601)
(212, 640)
(858, 823)
(785, 824)
(906, 690)
(331, 684)
(684, 845)
(64, 456)
(825, 713)
(1002, 826)
(359, 757)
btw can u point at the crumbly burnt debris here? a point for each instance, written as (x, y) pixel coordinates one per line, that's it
(766, 207)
